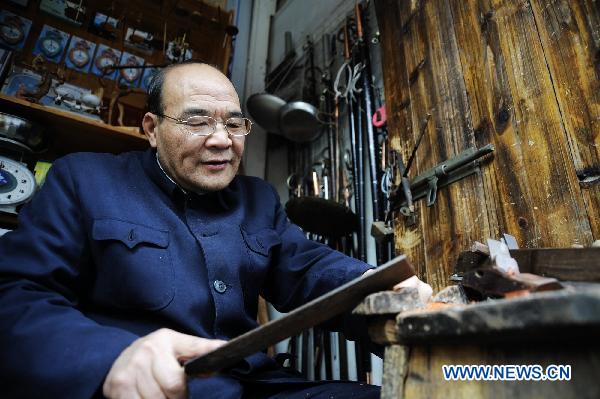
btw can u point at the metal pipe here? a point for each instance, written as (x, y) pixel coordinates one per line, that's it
(367, 97)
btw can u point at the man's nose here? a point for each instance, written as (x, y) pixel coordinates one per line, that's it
(219, 139)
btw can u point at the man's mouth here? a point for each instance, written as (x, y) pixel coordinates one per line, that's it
(216, 164)
(216, 161)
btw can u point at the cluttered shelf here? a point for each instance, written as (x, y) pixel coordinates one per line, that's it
(71, 132)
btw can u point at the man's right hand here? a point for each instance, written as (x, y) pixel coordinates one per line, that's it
(151, 366)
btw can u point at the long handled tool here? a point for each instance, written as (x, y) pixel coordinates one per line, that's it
(367, 97)
(338, 301)
(356, 148)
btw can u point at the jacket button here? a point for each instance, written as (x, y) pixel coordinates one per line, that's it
(220, 286)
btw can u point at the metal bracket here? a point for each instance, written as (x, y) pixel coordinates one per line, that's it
(426, 185)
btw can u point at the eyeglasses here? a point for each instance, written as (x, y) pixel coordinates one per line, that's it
(201, 125)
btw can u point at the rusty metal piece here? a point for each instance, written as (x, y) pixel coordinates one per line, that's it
(493, 283)
(381, 231)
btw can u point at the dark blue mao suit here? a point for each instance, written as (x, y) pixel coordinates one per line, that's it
(110, 250)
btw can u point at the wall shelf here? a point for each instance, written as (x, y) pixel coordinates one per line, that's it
(69, 132)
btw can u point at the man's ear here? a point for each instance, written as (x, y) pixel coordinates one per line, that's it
(150, 126)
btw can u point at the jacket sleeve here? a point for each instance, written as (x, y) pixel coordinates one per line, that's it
(49, 348)
(303, 270)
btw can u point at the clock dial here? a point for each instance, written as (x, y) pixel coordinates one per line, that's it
(105, 62)
(51, 47)
(79, 57)
(130, 74)
(17, 183)
(11, 34)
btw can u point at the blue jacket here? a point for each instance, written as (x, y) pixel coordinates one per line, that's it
(110, 250)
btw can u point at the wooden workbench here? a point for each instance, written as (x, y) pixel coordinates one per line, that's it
(548, 328)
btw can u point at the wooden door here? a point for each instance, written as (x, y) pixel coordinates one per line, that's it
(523, 75)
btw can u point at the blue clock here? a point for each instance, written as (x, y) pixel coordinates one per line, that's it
(51, 44)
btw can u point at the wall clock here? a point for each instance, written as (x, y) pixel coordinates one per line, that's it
(131, 74)
(51, 44)
(12, 30)
(106, 60)
(79, 55)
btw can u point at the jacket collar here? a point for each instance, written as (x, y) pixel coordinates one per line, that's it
(157, 175)
(226, 197)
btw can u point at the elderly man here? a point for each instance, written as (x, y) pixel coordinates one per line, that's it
(122, 263)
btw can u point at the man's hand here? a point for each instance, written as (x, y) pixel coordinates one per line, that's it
(150, 367)
(424, 289)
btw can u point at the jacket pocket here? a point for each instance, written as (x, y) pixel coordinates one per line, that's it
(261, 248)
(134, 269)
(262, 241)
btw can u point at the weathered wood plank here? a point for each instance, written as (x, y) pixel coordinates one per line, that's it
(426, 380)
(383, 330)
(415, 62)
(566, 312)
(559, 216)
(490, 100)
(338, 301)
(392, 16)
(395, 371)
(514, 106)
(435, 86)
(572, 264)
(487, 74)
(463, 218)
(570, 37)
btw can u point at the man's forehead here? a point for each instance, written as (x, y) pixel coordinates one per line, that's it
(200, 81)
(195, 110)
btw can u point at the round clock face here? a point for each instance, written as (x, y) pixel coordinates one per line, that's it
(17, 183)
(130, 74)
(11, 34)
(51, 46)
(79, 57)
(105, 61)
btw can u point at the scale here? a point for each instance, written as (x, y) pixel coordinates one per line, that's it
(17, 184)
(18, 136)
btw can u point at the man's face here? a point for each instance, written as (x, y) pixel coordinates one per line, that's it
(196, 163)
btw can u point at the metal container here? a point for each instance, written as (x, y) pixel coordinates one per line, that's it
(17, 133)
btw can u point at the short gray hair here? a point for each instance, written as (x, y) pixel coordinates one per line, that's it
(155, 87)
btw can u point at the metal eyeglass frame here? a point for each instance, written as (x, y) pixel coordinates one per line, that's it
(214, 125)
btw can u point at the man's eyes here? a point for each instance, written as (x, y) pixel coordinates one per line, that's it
(234, 124)
(198, 123)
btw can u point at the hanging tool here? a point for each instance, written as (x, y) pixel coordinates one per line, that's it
(367, 103)
(356, 157)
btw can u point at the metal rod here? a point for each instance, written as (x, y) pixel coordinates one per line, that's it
(414, 150)
(354, 148)
(367, 96)
(447, 167)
